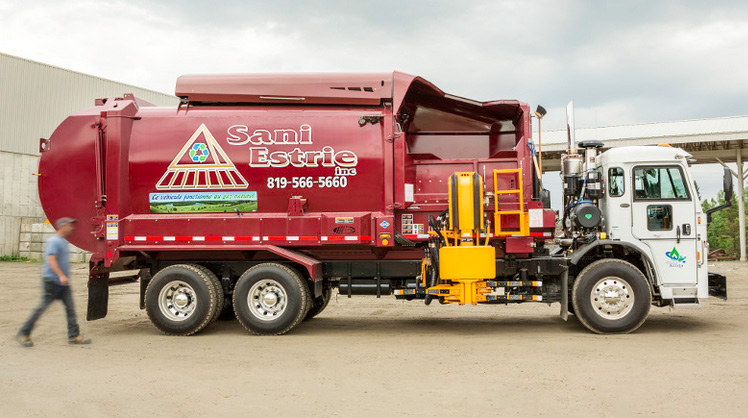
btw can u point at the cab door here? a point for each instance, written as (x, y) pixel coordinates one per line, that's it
(664, 215)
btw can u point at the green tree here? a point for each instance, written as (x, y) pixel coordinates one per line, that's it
(723, 230)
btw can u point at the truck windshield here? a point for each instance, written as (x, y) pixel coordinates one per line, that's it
(660, 183)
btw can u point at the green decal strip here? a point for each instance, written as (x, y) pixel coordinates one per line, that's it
(203, 202)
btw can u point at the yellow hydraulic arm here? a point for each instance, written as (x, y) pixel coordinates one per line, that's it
(465, 264)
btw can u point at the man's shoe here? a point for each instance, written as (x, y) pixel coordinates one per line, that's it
(24, 340)
(79, 340)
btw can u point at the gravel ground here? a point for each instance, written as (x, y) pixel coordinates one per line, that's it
(376, 357)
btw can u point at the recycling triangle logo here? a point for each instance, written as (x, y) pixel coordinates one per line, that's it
(199, 153)
(202, 164)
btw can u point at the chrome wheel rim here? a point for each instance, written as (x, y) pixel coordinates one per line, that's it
(267, 300)
(177, 300)
(612, 298)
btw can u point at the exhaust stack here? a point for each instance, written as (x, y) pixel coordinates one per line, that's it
(572, 141)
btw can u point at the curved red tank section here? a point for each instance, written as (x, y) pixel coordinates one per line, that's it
(67, 170)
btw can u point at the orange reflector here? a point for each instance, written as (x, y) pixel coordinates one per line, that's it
(385, 236)
(698, 255)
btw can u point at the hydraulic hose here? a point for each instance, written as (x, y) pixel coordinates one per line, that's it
(434, 254)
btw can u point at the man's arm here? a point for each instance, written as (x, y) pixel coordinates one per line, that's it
(52, 260)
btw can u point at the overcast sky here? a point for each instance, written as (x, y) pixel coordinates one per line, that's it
(622, 62)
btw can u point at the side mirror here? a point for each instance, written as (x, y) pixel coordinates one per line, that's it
(727, 184)
(727, 188)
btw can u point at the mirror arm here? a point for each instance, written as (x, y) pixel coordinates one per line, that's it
(716, 209)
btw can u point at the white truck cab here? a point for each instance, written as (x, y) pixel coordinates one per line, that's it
(650, 202)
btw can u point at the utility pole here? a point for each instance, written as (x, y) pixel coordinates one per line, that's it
(741, 203)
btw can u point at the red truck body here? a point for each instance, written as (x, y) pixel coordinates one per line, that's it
(303, 167)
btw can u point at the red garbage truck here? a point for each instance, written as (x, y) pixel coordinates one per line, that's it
(261, 194)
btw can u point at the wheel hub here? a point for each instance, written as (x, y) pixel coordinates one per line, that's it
(181, 300)
(177, 300)
(270, 299)
(612, 298)
(267, 299)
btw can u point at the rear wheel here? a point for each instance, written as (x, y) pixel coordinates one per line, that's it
(611, 296)
(271, 299)
(319, 304)
(218, 292)
(181, 299)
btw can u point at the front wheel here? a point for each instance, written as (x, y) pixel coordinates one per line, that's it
(611, 296)
(271, 299)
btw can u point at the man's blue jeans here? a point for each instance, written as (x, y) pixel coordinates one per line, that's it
(52, 292)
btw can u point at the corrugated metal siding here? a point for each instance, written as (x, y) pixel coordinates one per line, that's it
(35, 98)
(19, 199)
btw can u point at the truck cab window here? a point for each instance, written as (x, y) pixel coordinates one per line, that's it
(659, 183)
(659, 217)
(615, 182)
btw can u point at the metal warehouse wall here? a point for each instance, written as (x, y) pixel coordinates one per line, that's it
(34, 99)
(19, 200)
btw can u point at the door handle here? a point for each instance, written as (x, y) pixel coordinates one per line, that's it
(686, 229)
(677, 234)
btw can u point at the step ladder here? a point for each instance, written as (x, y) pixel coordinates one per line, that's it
(524, 220)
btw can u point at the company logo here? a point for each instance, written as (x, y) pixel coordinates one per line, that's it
(344, 230)
(674, 258)
(199, 153)
(261, 155)
(202, 165)
(384, 224)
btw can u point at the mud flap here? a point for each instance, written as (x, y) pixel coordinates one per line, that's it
(317, 287)
(98, 296)
(718, 286)
(565, 295)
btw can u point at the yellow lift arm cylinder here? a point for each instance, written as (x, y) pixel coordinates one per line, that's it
(466, 201)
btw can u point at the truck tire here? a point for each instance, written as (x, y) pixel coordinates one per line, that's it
(227, 313)
(271, 299)
(181, 299)
(218, 291)
(611, 296)
(319, 304)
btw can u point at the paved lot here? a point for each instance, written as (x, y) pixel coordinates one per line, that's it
(369, 357)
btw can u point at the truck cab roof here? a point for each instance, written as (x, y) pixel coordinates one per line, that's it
(643, 154)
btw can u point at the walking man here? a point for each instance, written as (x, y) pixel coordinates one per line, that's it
(56, 280)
